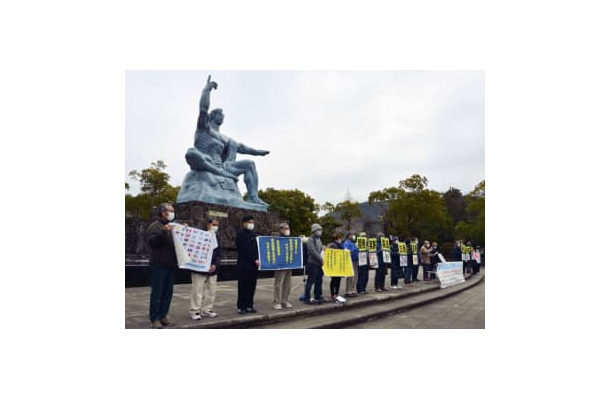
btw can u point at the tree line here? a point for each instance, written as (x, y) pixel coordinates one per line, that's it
(408, 210)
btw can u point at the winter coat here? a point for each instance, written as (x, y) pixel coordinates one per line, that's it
(162, 251)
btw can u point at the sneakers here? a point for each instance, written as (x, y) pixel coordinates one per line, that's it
(394, 287)
(277, 306)
(167, 322)
(240, 311)
(195, 316)
(287, 305)
(304, 298)
(251, 310)
(378, 290)
(339, 299)
(156, 324)
(209, 313)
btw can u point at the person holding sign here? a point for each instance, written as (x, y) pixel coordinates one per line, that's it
(282, 279)
(247, 266)
(314, 266)
(414, 259)
(350, 281)
(396, 268)
(363, 264)
(203, 284)
(335, 281)
(381, 271)
(162, 263)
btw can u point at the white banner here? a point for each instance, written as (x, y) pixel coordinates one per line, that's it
(194, 247)
(450, 274)
(387, 259)
(404, 260)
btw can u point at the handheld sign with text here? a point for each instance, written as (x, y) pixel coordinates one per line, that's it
(194, 247)
(279, 252)
(337, 263)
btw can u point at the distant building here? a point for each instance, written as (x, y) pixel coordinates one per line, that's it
(371, 221)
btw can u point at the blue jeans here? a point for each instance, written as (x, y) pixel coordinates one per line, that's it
(162, 289)
(314, 278)
(363, 278)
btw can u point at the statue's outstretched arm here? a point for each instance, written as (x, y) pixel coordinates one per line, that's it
(243, 149)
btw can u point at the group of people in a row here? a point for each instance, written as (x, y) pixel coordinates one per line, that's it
(163, 260)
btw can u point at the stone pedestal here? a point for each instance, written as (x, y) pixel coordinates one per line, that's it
(195, 214)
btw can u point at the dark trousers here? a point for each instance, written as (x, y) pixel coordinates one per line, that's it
(426, 271)
(335, 282)
(408, 273)
(380, 276)
(363, 278)
(161, 291)
(464, 267)
(314, 278)
(415, 272)
(476, 267)
(246, 286)
(396, 275)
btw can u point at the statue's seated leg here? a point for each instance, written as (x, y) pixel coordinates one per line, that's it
(195, 159)
(247, 168)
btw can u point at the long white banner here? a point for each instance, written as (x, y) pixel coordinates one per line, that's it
(450, 273)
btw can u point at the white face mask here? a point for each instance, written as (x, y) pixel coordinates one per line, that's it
(250, 226)
(214, 228)
(287, 232)
(170, 217)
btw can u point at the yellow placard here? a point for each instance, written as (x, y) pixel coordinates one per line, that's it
(402, 247)
(337, 263)
(361, 243)
(385, 243)
(372, 245)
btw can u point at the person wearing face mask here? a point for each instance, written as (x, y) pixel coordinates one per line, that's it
(335, 281)
(381, 270)
(425, 259)
(203, 287)
(350, 281)
(282, 279)
(315, 274)
(434, 259)
(247, 266)
(162, 263)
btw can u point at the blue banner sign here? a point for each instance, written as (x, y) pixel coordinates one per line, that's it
(279, 252)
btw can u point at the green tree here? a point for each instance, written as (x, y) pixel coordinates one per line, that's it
(294, 206)
(413, 210)
(473, 228)
(329, 226)
(348, 210)
(154, 189)
(456, 204)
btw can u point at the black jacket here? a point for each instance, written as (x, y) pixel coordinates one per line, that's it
(162, 252)
(247, 250)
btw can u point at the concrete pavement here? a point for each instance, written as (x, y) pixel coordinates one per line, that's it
(301, 315)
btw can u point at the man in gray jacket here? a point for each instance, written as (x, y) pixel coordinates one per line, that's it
(314, 266)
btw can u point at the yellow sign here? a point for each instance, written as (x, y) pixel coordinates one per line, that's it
(361, 243)
(385, 244)
(402, 247)
(372, 245)
(337, 263)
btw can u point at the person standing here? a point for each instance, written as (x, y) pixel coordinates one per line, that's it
(434, 259)
(203, 284)
(415, 259)
(163, 263)
(350, 282)
(363, 270)
(282, 279)
(335, 281)
(380, 273)
(396, 269)
(315, 273)
(409, 268)
(247, 266)
(425, 259)
(457, 252)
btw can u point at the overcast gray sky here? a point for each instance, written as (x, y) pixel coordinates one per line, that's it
(327, 131)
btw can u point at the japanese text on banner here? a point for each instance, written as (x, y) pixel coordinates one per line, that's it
(337, 263)
(280, 252)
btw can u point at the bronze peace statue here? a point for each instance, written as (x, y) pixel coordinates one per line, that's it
(214, 168)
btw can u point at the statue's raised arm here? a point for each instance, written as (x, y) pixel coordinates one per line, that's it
(204, 104)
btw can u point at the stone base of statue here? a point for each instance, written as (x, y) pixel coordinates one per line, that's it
(203, 186)
(195, 214)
